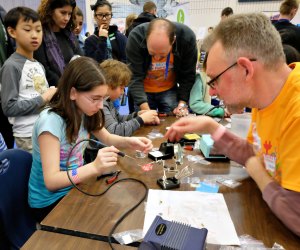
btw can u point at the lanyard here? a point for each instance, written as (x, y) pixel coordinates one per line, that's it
(167, 66)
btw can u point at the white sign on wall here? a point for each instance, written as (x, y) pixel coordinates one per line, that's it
(180, 14)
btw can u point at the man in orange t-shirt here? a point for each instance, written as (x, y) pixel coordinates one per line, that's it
(247, 67)
(162, 56)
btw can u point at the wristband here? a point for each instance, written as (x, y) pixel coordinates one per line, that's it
(75, 177)
(219, 132)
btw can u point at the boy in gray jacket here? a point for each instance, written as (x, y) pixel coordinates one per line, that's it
(117, 76)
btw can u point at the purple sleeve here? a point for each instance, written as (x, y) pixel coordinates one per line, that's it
(285, 204)
(234, 147)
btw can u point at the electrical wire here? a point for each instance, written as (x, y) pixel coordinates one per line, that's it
(214, 107)
(129, 211)
(101, 193)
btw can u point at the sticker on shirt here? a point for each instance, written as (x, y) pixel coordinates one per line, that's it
(270, 164)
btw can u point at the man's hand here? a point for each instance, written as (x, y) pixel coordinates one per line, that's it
(144, 106)
(194, 124)
(256, 168)
(149, 116)
(181, 110)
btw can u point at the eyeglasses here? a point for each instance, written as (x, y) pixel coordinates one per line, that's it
(212, 82)
(96, 100)
(101, 15)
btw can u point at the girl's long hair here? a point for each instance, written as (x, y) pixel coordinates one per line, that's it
(83, 74)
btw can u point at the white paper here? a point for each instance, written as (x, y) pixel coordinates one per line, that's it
(197, 209)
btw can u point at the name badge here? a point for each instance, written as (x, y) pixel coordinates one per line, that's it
(270, 163)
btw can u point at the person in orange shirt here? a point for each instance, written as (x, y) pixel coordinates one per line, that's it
(162, 56)
(248, 69)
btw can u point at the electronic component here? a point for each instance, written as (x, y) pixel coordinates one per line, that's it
(168, 183)
(206, 147)
(164, 234)
(177, 151)
(178, 154)
(166, 151)
(191, 137)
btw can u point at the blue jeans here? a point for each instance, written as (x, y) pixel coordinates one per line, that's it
(163, 102)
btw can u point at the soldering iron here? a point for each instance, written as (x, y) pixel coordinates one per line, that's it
(99, 145)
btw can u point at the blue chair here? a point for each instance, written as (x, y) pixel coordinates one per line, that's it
(16, 221)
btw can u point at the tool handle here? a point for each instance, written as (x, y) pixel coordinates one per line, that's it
(113, 178)
(120, 153)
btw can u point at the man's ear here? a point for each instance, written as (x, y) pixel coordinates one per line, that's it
(11, 32)
(247, 65)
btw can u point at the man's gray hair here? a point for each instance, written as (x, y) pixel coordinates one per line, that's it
(249, 35)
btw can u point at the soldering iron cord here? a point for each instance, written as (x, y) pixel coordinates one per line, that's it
(101, 193)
